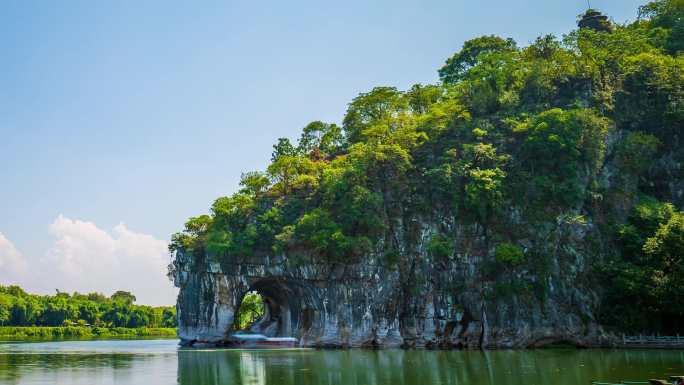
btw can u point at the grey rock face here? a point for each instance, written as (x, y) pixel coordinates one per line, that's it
(417, 302)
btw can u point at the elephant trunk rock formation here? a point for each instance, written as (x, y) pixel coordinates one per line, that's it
(422, 303)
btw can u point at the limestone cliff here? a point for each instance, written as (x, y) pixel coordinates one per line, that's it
(425, 303)
(531, 196)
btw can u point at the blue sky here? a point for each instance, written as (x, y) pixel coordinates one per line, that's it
(142, 113)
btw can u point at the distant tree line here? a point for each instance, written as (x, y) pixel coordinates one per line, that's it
(19, 308)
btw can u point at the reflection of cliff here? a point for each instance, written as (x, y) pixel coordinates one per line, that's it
(234, 367)
(420, 367)
(336, 367)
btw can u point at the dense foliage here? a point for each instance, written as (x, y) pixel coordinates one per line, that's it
(18, 308)
(518, 145)
(646, 279)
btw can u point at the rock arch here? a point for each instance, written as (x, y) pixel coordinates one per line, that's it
(319, 304)
(285, 305)
(370, 304)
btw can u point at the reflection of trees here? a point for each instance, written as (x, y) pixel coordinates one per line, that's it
(420, 367)
(345, 367)
(15, 365)
(348, 367)
(208, 367)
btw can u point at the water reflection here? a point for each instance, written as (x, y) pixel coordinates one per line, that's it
(88, 362)
(362, 367)
(161, 362)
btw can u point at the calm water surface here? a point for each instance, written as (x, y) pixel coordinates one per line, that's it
(153, 362)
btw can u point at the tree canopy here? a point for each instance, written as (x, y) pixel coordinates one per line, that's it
(18, 308)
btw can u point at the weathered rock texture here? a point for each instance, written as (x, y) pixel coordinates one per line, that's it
(413, 299)
(416, 302)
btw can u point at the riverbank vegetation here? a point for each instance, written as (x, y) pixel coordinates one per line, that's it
(521, 149)
(77, 332)
(80, 315)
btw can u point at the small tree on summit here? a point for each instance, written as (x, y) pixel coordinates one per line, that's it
(463, 60)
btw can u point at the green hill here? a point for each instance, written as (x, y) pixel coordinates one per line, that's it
(516, 151)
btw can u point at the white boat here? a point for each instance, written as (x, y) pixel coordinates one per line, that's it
(260, 341)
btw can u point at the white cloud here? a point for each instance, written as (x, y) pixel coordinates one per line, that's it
(88, 258)
(85, 258)
(13, 267)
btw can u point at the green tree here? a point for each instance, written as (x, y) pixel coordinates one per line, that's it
(283, 148)
(124, 297)
(469, 56)
(652, 97)
(645, 274)
(668, 15)
(254, 183)
(561, 147)
(251, 310)
(317, 231)
(482, 170)
(320, 138)
(380, 106)
(666, 249)
(5, 309)
(194, 232)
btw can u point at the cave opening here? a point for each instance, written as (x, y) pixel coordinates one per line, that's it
(265, 308)
(250, 311)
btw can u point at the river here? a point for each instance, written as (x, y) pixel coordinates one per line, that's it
(153, 362)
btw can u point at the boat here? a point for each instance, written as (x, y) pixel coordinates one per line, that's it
(260, 341)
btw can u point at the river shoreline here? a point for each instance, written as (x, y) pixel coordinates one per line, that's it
(645, 346)
(78, 333)
(60, 333)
